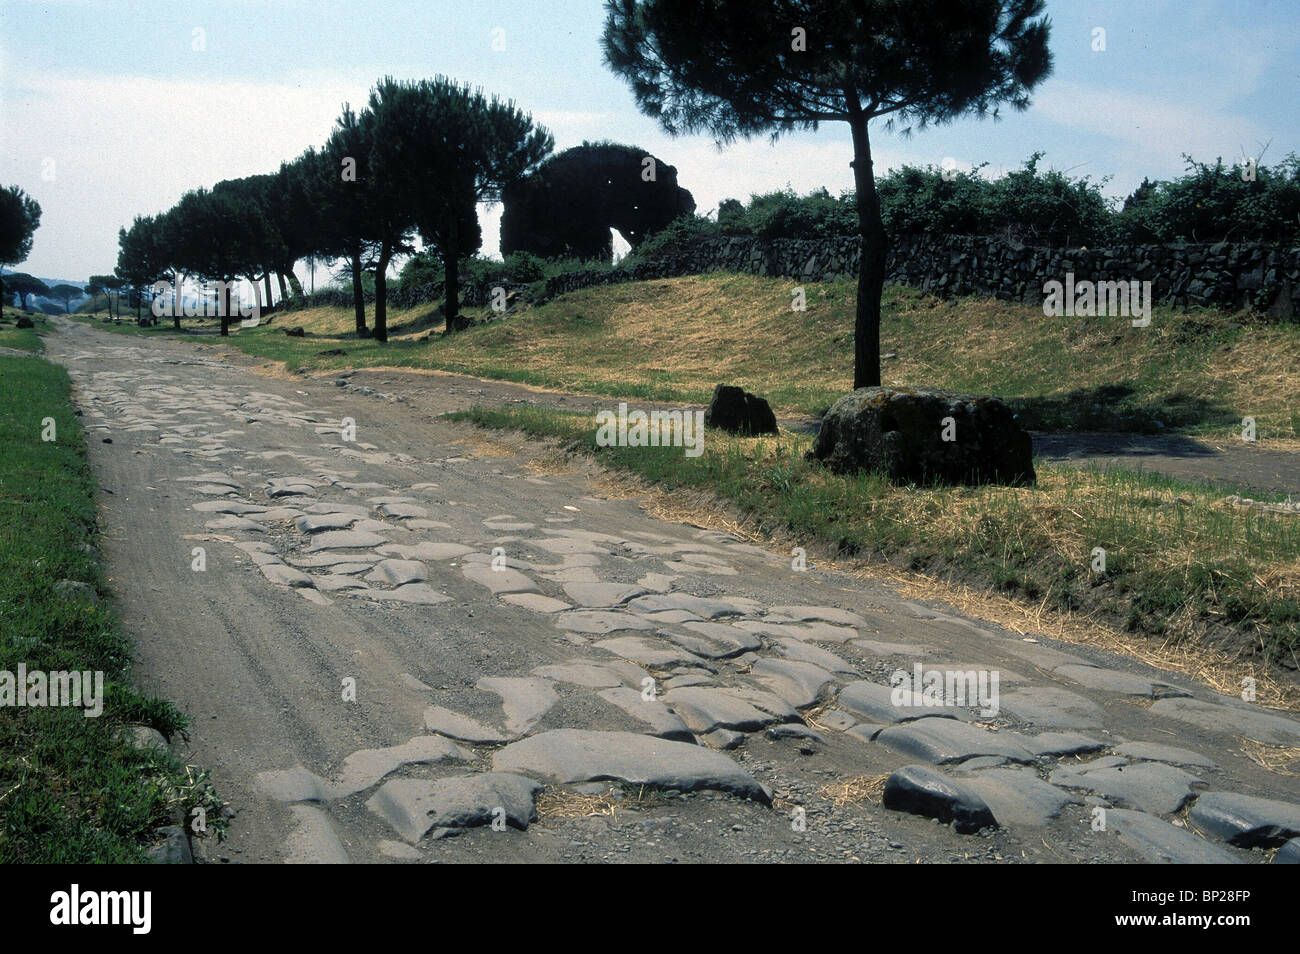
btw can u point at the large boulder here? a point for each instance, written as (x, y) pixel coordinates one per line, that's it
(924, 435)
(737, 411)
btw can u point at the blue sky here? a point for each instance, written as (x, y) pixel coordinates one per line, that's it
(107, 109)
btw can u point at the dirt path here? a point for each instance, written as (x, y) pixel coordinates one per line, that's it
(604, 651)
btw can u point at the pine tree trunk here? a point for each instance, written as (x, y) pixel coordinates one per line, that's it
(871, 264)
(451, 277)
(358, 295)
(381, 292)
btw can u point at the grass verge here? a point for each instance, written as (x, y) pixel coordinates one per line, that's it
(22, 339)
(72, 788)
(1182, 566)
(1198, 372)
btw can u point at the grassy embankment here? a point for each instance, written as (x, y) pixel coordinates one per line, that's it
(72, 788)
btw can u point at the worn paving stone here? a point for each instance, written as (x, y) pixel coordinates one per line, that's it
(1112, 680)
(397, 572)
(535, 602)
(420, 594)
(401, 510)
(705, 709)
(874, 702)
(426, 550)
(294, 785)
(920, 790)
(285, 575)
(1246, 821)
(317, 523)
(713, 640)
(828, 614)
(882, 648)
(800, 651)
(1157, 752)
(235, 507)
(456, 726)
(942, 741)
(365, 767)
(580, 673)
(1017, 796)
(1052, 708)
(1288, 854)
(599, 622)
(1056, 744)
(345, 540)
(602, 594)
(800, 684)
(1162, 843)
(335, 583)
(1257, 724)
(700, 606)
(413, 806)
(235, 523)
(1151, 787)
(499, 581)
(643, 652)
(663, 721)
(578, 755)
(525, 700)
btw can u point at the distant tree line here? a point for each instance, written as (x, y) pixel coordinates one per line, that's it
(416, 160)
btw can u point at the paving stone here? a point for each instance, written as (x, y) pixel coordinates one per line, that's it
(722, 739)
(345, 540)
(1152, 787)
(420, 594)
(825, 632)
(698, 679)
(601, 594)
(413, 806)
(920, 790)
(663, 721)
(1156, 752)
(643, 652)
(713, 640)
(1056, 744)
(1288, 854)
(579, 673)
(535, 602)
(704, 708)
(599, 622)
(499, 581)
(577, 755)
(880, 648)
(1260, 725)
(316, 523)
(335, 583)
(659, 582)
(294, 785)
(802, 652)
(671, 617)
(827, 614)
(942, 741)
(397, 572)
(364, 768)
(400, 509)
(285, 575)
(1246, 820)
(1017, 796)
(1112, 680)
(426, 550)
(235, 523)
(1162, 843)
(1052, 708)
(700, 606)
(525, 700)
(798, 683)
(835, 720)
(874, 702)
(456, 726)
(236, 507)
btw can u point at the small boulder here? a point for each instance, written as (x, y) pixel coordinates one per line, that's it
(921, 435)
(24, 322)
(736, 411)
(295, 332)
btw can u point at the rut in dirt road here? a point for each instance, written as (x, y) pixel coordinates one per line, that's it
(390, 640)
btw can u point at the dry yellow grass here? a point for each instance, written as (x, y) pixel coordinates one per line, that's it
(863, 788)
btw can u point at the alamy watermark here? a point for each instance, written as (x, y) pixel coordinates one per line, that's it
(1088, 298)
(168, 303)
(36, 689)
(946, 687)
(657, 428)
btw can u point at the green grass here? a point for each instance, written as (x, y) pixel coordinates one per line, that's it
(1180, 564)
(71, 790)
(22, 339)
(674, 339)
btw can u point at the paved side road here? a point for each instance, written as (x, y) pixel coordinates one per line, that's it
(402, 645)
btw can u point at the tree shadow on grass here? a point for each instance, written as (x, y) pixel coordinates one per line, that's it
(1120, 408)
